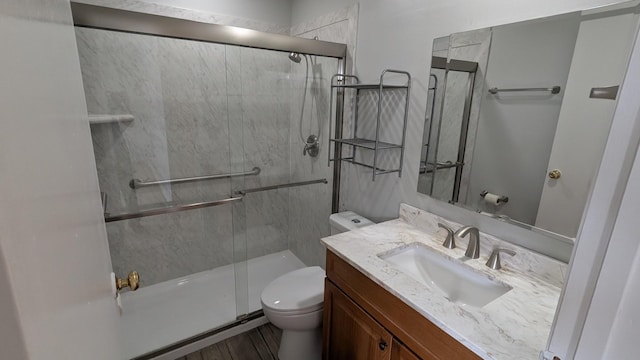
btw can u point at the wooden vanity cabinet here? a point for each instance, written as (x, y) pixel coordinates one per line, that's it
(400, 352)
(363, 321)
(353, 334)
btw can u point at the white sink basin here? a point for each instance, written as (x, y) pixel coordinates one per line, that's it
(458, 282)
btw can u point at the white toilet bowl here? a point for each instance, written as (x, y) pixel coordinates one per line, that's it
(293, 303)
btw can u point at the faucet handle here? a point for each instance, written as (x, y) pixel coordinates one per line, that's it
(449, 243)
(494, 259)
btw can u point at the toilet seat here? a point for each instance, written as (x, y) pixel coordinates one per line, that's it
(298, 292)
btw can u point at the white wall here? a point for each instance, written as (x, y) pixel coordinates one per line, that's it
(11, 334)
(305, 10)
(268, 11)
(623, 339)
(399, 34)
(55, 261)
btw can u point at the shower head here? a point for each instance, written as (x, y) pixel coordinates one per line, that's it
(295, 57)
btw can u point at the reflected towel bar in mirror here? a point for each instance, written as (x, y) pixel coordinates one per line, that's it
(553, 89)
(137, 183)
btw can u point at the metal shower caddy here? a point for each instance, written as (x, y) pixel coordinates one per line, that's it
(338, 83)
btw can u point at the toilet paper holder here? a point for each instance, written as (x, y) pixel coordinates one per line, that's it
(501, 198)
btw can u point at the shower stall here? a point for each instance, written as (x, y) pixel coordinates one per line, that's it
(208, 187)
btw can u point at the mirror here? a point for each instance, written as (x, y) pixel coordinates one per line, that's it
(518, 115)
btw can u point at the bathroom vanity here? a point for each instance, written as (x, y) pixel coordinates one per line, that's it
(362, 320)
(376, 308)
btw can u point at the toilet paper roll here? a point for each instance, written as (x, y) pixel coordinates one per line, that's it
(492, 199)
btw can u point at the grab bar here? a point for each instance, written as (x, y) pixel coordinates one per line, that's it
(137, 183)
(553, 89)
(170, 209)
(280, 186)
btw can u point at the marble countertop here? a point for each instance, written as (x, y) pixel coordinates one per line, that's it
(514, 326)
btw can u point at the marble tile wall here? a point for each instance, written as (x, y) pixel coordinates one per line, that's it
(264, 95)
(180, 129)
(310, 206)
(199, 109)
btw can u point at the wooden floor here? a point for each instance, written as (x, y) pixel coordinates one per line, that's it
(258, 344)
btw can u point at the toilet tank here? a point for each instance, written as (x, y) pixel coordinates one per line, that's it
(347, 221)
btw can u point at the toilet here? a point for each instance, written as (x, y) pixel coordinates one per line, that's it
(293, 302)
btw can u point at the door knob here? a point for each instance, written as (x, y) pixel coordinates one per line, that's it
(132, 282)
(555, 174)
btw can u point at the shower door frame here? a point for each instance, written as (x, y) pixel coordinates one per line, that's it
(100, 17)
(105, 18)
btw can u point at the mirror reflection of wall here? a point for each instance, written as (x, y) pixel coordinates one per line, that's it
(505, 143)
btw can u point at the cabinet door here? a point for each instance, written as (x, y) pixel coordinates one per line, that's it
(400, 352)
(349, 333)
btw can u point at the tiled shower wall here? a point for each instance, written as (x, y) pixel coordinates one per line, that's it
(310, 206)
(200, 109)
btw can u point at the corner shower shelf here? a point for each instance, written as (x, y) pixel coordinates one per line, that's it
(339, 84)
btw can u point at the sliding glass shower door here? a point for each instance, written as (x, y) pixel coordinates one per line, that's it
(210, 188)
(281, 104)
(178, 125)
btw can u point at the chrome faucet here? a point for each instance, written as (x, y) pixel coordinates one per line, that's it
(473, 249)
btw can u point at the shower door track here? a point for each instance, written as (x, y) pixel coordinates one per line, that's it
(175, 346)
